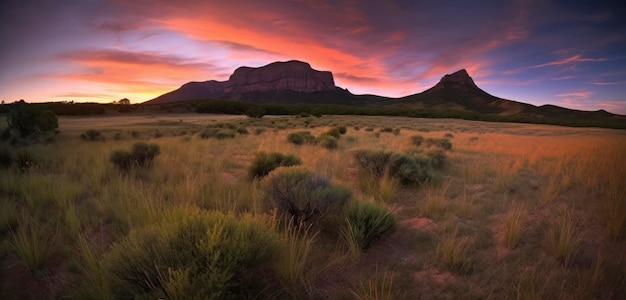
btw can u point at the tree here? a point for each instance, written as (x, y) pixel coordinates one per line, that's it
(27, 119)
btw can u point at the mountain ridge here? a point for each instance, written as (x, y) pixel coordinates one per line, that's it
(295, 81)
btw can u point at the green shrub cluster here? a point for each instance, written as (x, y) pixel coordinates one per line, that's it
(328, 141)
(365, 222)
(141, 155)
(337, 131)
(409, 169)
(301, 137)
(303, 196)
(264, 163)
(417, 140)
(194, 255)
(92, 135)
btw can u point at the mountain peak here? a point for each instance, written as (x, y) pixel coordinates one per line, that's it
(459, 80)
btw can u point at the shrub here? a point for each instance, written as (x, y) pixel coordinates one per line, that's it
(448, 135)
(24, 160)
(328, 142)
(193, 255)
(264, 163)
(92, 135)
(407, 168)
(6, 157)
(417, 140)
(386, 129)
(396, 131)
(437, 157)
(301, 137)
(259, 130)
(337, 131)
(217, 133)
(255, 112)
(440, 143)
(365, 222)
(242, 130)
(142, 155)
(302, 196)
(28, 119)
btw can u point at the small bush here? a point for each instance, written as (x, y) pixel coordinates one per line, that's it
(24, 160)
(440, 143)
(242, 130)
(448, 135)
(301, 137)
(264, 163)
(365, 222)
(255, 112)
(142, 155)
(6, 157)
(217, 133)
(302, 196)
(453, 250)
(417, 140)
(92, 135)
(328, 142)
(438, 158)
(194, 255)
(386, 129)
(407, 168)
(337, 131)
(369, 129)
(396, 131)
(259, 130)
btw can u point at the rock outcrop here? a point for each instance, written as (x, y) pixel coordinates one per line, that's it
(458, 80)
(246, 82)
(293, 75)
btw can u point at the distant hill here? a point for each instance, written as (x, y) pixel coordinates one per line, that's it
(295, 82)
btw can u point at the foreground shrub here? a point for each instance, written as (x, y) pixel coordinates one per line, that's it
(142, 155)
(302, 196)
(364, 223)
(409, 169)
(301, 137)
(92, 135)
(193, 255)
(264, 163)
(328, 142)
(438, 158)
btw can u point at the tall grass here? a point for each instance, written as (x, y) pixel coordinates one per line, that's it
(513, 225)
(562, 237)
(453, 251)
(31, 246)
(293, 262)
(378, 287)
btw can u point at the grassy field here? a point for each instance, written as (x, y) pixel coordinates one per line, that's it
(506, 211)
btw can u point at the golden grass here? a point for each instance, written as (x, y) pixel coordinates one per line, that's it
(523, 173)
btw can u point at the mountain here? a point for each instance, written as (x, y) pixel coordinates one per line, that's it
(278, 82)
(297, 82)
(458, 91)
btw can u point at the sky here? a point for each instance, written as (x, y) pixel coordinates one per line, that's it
(566, 53)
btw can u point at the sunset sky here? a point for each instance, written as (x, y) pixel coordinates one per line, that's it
(568, 53)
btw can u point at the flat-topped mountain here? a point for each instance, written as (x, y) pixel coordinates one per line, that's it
(262, 84)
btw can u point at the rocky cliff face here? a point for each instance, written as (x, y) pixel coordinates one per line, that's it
(458, 80)
(279, 76)
(293, 76)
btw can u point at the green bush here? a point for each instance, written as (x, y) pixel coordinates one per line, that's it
(242, 130)
(28, 119)
(365, 222)
(386, 129)
(92, 135)
(301, 137)
(303, 196)
(409, 169)
(328, 142)
(194, 255)
(264, 163)
(255, 112)
(142, 155)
